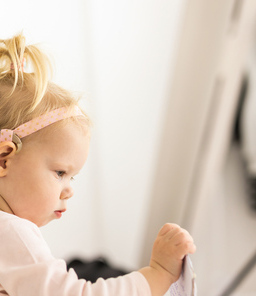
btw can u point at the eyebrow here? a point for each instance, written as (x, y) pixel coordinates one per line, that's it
(63, 166)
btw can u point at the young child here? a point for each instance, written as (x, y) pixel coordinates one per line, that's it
(44, 142)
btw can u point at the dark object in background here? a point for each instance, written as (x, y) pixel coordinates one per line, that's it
(92, 270)
(252, 191)
(237, 133)
(238, 139)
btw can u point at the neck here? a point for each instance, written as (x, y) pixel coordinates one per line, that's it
(4, 206)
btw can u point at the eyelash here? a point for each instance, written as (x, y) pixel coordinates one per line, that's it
(60, 174)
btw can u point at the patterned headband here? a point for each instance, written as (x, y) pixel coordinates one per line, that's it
(36, 124)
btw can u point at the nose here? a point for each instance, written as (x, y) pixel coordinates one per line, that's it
(67, 192)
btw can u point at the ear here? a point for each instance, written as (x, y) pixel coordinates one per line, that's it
(7, 150)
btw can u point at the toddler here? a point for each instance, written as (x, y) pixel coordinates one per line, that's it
(44, 143)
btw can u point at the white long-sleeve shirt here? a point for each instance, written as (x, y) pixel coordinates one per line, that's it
(27, 267)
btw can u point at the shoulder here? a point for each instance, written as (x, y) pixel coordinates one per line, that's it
(11, 224)
(22, 236)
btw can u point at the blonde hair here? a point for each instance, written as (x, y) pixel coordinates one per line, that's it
(26, 95)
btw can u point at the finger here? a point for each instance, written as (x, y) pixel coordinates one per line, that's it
(168, 227)
(187, 248)
(181, 237)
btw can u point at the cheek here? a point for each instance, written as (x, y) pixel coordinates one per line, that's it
(33, 182)
(41, 196)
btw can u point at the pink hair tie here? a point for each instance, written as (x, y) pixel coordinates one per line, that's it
(36, 124)
(22, 65)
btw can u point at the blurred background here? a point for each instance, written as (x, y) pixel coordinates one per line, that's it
(170, 87)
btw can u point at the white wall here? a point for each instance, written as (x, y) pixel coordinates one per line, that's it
(133, 52)
(121, 54)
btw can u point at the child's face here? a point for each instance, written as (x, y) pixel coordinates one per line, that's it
(37, 184)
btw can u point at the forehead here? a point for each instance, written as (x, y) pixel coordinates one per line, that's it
(67, 144)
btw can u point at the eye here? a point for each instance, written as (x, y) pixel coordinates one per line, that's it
(60, 174)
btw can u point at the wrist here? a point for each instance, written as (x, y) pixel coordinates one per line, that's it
(158, 279)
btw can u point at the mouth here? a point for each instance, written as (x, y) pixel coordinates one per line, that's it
(58, 213)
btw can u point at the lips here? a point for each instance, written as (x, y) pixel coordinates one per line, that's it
(58, 213)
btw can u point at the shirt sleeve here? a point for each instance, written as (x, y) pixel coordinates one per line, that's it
(27, 268)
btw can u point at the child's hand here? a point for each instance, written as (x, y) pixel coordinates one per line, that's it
(170, 247)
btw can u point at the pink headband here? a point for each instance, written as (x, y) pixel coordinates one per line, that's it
(36, 124)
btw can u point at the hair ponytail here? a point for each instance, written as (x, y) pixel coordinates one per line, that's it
(14, 54)
(24, 94)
